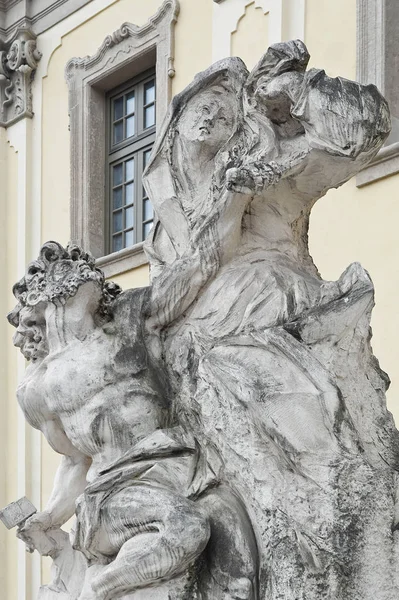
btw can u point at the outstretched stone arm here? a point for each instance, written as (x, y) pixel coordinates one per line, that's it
(69, 483)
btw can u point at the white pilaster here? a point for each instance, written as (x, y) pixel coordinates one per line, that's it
(294, 11)
(19, 138)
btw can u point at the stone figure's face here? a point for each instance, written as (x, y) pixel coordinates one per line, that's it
(30, 335)
(60, 290)
(209, 119)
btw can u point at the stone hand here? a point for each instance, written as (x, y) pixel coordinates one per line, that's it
(33, 531)
(254, 178)
(240, 180)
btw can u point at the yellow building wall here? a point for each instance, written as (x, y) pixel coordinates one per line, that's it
(193, 41)
(251, 39)
(137, 278)
(352, 224)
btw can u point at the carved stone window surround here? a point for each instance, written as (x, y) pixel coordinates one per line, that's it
(127, 52)
(122, 261)
(374, 45)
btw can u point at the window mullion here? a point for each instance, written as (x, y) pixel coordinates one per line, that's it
(139, 108)
(139, 198)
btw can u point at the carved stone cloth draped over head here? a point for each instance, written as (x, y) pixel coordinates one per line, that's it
(189, 158)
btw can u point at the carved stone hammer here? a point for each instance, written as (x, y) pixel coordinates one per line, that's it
(16, 513)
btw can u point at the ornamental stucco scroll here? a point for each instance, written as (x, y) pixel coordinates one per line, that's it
(224, 431)
(18, 62)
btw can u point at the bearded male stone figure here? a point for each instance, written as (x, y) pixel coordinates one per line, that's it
(224, 431)
(98, 393)
(101, 400)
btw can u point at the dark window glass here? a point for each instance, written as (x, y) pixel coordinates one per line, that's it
(132, 110)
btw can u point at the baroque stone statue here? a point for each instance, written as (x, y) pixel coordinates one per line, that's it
(224, 431)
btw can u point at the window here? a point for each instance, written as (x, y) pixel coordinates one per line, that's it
(378, 63)
(131, 135)
(131, 54)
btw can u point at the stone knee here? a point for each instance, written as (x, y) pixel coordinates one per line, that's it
(165, 536)
(189, 526)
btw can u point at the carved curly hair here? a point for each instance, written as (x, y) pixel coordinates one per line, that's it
(58, 273)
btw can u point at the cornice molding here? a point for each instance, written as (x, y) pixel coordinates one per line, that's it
(7, 4)
(38, 16)
(18, 62)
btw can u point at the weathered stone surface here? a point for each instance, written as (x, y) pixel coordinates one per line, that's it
(17, 512)
(18, 63)
(224, 432)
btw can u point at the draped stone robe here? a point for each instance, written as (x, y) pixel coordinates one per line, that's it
(272, 367)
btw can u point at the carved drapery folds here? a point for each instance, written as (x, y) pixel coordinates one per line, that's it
(18, 62)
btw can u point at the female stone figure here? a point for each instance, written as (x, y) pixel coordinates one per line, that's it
(189, 156)
(259, 360)
(269, 169)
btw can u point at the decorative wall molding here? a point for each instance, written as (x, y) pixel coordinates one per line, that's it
(123, 54)
(135, 36)
(286, 21)
(18, 62)
(39, 15)
(377, 43)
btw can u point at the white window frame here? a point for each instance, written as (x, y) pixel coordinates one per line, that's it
(127, 52)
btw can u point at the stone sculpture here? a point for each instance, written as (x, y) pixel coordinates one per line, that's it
(224, 431)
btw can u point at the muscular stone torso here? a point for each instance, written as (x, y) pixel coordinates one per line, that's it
(101, 400)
